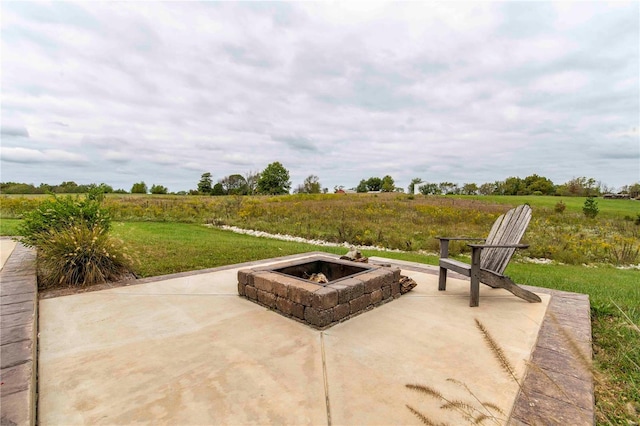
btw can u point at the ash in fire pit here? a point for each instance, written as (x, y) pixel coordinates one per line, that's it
(293, 288)
(332, 271)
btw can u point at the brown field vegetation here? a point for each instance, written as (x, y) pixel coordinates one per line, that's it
(390, 220)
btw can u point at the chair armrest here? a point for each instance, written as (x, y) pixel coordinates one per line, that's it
(460, 238)
(482, 246)
(444, 244)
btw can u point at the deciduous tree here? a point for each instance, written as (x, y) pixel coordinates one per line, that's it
(535, 184)
(158, 189)
(579, 187)
(470, 189)
(487, 188)
(430, 189)
(448, 188)
(139, 188)
(218, 189)
(274, 180)
(312, 185)
(374, 184)
(634, 190)
(252, 181)
(388, 184)
(235, 185)
(411, 189)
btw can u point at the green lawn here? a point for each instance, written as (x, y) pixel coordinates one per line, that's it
(9, 227)
(608, 207)
(165, 248)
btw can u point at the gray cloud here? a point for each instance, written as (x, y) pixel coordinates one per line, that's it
(26, 155)
(19, 131)
(296, 142)
(115, 156)
(163, 92)
(105, 142)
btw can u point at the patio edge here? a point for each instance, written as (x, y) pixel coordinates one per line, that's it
(19, 325)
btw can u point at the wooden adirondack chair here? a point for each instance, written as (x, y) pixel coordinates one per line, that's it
(489, 260)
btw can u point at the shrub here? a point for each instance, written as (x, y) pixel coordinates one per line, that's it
(80, 255)
(139, 188)
(158, 189)
(71, 236)
(590, 208)
(58, 213)
(560, 207)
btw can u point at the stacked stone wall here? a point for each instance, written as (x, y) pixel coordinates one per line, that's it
(320, 305)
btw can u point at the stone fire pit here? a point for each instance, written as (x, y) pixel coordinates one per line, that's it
(351, 288)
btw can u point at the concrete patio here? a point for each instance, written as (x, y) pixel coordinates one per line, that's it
(185, 349)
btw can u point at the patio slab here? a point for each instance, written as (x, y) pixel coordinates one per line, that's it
(188, 350)
(6, 248)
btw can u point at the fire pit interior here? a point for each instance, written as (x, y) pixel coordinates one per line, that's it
(331, 270)
(293, 289)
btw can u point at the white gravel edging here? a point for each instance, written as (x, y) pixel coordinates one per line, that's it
(285, 237)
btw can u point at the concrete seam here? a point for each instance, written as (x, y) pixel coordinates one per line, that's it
(325, 378)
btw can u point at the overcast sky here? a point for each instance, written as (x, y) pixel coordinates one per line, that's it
(120, 92)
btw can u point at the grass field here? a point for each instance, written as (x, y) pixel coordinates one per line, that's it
(610, 208)
(169, 246)
(394, 220)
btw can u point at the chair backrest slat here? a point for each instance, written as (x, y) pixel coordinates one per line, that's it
(507, 229)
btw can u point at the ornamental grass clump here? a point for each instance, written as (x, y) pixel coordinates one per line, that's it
(71, 236)
(81, 256)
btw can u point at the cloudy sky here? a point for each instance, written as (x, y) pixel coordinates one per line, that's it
(120, 92)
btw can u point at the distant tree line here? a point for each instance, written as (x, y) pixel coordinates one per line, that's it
(74, 188)
(44, 188)
(531, 185)
(141, 188)
(275, 180)
(311, 185)
(376, 184)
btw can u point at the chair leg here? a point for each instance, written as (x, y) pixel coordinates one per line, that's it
(475, 291)
(442, 280)
(444, 253)
(475, 276)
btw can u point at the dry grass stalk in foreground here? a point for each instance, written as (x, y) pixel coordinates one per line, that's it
(477, 411)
